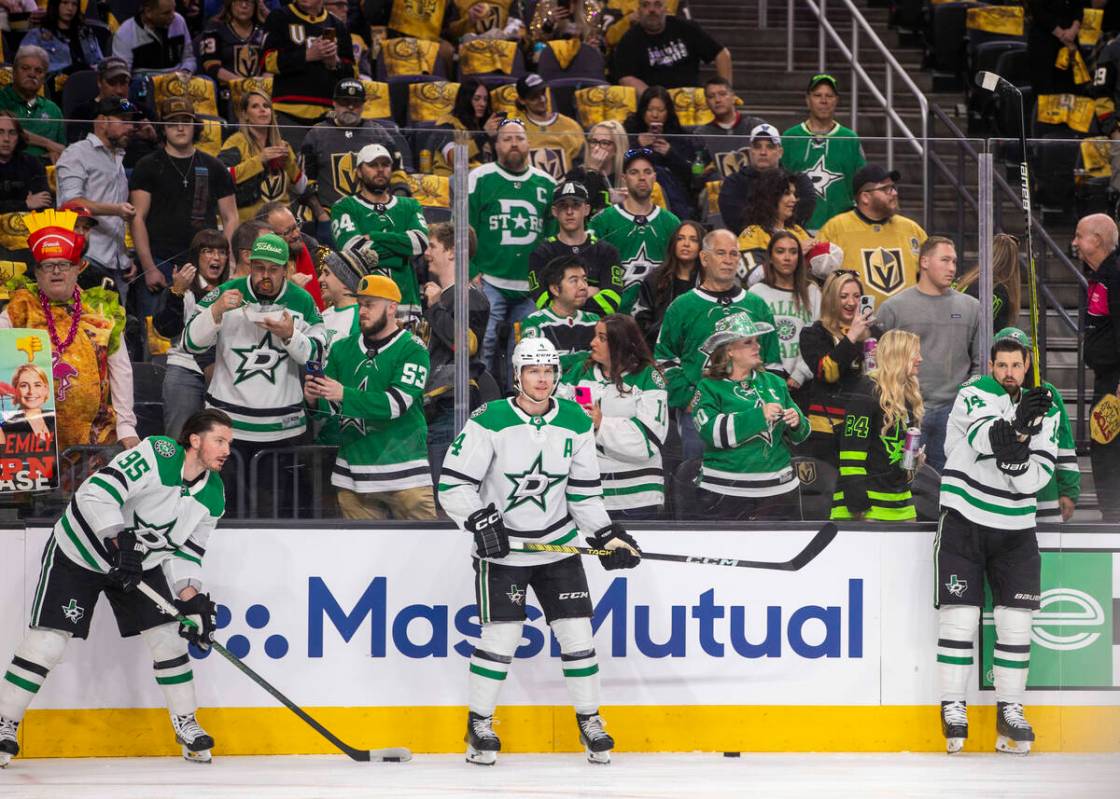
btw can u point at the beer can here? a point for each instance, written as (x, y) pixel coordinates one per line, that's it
(911, 447)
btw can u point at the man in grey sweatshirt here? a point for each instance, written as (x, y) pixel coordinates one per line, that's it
(948, 323)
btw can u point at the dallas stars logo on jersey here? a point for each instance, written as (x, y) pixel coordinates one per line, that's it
(637, 267)
(531, 485)
(822, 176)
(261, 359)
(154, 537)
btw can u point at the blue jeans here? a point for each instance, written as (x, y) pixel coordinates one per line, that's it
(503, 311)
(933, 435)
(183, 395)
(692, 446)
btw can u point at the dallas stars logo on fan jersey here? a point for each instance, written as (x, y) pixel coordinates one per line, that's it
(358, 425)
(751, 394)
(637, 267)
(259, 360)
(531, 485)
(822, 176)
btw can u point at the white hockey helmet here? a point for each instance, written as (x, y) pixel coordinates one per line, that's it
(534, 352)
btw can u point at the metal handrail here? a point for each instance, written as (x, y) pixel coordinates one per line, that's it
(860, 78)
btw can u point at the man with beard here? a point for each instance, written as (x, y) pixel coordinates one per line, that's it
(331, 148)
(91, 172)
(145, 517)
(509, 200)
(374, 385)
(555, 140)
(637, 228)
(392, 226)
(261, 350)
(880, 245)
(113, 79)
(301, 247)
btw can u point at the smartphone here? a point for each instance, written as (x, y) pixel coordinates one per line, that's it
(583, 396)
(866, 306)
(655, 127)
(315, 368)
(329, 34)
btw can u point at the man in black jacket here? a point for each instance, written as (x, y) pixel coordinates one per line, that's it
(765, 152)
(1096, 242)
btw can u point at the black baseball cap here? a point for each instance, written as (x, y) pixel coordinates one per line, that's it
(349, 89)
(820, 78)
(873, 173)
(530, 85)
(571, 190)
(116, 107)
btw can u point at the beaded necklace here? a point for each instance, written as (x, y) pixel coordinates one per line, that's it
(75, 312)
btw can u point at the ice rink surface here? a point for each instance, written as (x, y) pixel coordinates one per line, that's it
(767, 776)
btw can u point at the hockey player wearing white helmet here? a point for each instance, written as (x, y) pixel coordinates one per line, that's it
(524, 470)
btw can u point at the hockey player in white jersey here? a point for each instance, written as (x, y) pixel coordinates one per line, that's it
(145, 517)
(1001, 445)
(524, 470)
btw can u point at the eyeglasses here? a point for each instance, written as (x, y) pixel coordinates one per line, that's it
(289, 231)
(601, 142)
(58, 266)
(220, 252)
(889, 189)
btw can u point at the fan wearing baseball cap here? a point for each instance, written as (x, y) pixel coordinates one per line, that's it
(374, 384)
(92, 372)
(378, 221)
(824, 149)
(555, 140)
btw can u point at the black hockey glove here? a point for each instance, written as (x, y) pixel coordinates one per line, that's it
(855, 496)
(1031, 411)
(202, 612)
(624, 549)
(1012, 455)
(490, 536)
(127, 560)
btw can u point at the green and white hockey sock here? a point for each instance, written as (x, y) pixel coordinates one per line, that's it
(1012, 657)
(490, 664)
(172, 667)
(580, 665)
(956, 635)
(38, 653)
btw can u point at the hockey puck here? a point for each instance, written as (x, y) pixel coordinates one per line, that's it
(732, 754)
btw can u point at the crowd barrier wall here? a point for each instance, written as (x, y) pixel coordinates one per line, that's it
(371, 630)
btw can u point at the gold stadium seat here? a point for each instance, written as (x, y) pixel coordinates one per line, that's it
(597, 104)
(692, 108)
(202, 92)
(377, 100)
(496, 59)
(427, 102)
(238, 88)
(407, 57)
(431, 191)
(211, 140)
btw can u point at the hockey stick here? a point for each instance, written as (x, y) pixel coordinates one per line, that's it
(817, 545)
(391, 755)
(990, 81)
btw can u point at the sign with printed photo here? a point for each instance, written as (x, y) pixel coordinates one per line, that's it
(1074, 641)
(28, 448)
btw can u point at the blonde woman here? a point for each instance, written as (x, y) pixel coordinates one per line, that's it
(262, 164)
(747, 421)
(1006, 286)
(32, 392)
(832, 349)
(881, 407)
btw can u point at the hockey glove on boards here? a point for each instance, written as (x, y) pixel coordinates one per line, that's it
(624, 549)
(202, 612)
(489, 531)
(126, 559)
(1031, 411)
(1012, 455)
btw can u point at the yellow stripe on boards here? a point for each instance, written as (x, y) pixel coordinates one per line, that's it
(276, 731)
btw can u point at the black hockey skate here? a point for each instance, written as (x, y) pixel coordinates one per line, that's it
(594, 738)
(9, 745)
(196, 743)
(483, 743)
(954, 725)
(1013, 732)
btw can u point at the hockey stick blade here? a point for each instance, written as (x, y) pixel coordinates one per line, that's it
(393, 754)
(817, 545)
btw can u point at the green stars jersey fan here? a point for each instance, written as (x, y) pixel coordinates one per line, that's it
(745, 455)
(642, 243)
(831, 160)
(688, 322)
(398, 232)
(632, 431)
(508, 213)
(143, 490)
(541, 473)
(971, 483)
(257, 377)
(381, 426)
